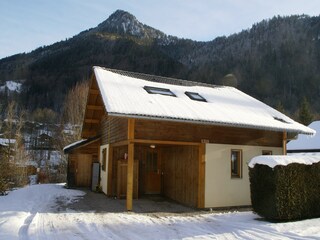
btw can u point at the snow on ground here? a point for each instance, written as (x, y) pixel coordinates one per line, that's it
(30, 213)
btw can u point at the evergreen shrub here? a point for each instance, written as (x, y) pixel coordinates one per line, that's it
(286, 193)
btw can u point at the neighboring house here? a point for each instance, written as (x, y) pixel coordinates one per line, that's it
(188, 141)
(7, 147)
(306, 144)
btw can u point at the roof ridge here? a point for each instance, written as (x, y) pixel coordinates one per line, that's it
(159, 79)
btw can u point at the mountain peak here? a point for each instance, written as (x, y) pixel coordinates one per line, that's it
(121, 16)
(122, 23)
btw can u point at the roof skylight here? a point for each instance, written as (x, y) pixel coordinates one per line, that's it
(162, 91)
(280, 120)
(195, 96)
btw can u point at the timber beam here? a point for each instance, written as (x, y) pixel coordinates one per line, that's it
(90, 120)
(284, 143)
(94, 91)
(94, 107)
(201, 175)
(131, 123)
(162, 142)
(86, 134)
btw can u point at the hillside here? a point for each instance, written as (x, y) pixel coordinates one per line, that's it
(276, 60)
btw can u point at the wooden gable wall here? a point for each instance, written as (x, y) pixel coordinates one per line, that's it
(113, 129)
(186, 132)
(94, 112)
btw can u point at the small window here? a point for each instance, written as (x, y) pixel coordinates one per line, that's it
(104, 159)
(162, 91)
(195, 96)
(236, 163)
(266, 152)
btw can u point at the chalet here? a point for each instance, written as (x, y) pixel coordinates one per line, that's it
(188, 141)
(305, 144)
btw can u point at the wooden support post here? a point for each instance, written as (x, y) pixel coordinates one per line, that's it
(201, 175)
(99, 158)
(130, 164)
(110, 168)
(130, 176)
(131, 129)
(284, 143)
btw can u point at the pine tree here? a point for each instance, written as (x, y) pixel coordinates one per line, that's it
(280, 107)
(305, 115)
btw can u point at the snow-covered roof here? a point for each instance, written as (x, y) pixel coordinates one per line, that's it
(284, 160)
(124, 95)
(79, 143)
(74, 144)
(306, 142)
(6, 141)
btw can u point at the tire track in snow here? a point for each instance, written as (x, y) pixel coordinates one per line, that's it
(23, 231)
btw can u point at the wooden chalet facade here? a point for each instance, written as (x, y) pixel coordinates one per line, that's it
(197, 162)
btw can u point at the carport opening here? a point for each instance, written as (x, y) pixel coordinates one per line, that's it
(169, 171)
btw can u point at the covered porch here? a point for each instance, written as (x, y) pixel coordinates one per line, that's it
(138, 167)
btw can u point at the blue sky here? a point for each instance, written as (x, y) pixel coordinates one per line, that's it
(28, 24)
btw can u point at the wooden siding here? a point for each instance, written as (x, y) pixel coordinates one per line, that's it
(80, 170)
(91, 148)
(180, 169)
(186, 132)
(117, 155)
(113, 129)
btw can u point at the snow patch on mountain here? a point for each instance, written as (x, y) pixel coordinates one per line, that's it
(12, 86)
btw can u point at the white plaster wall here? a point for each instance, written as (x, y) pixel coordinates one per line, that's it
(220, 189)
(104, 174)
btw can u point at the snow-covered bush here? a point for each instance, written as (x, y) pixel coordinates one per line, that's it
(285, 188)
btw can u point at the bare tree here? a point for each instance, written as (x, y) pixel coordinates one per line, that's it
(72, 118)
(73, 111)
(13, 156)
(6, 166)
(20, 155)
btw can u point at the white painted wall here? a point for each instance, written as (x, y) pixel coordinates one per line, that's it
(104, 174)
(220, 189)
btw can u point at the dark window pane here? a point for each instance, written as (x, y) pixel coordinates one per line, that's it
(195, 96)
(236, 163)
(161, 91)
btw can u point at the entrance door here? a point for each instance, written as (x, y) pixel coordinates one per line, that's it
(83, 171)
(153, 172)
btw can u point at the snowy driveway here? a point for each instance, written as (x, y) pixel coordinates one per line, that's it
(31, 213)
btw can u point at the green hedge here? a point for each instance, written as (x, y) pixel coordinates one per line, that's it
(286, 193)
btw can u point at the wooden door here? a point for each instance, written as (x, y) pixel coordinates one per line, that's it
(83, 171)
(153, 172)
